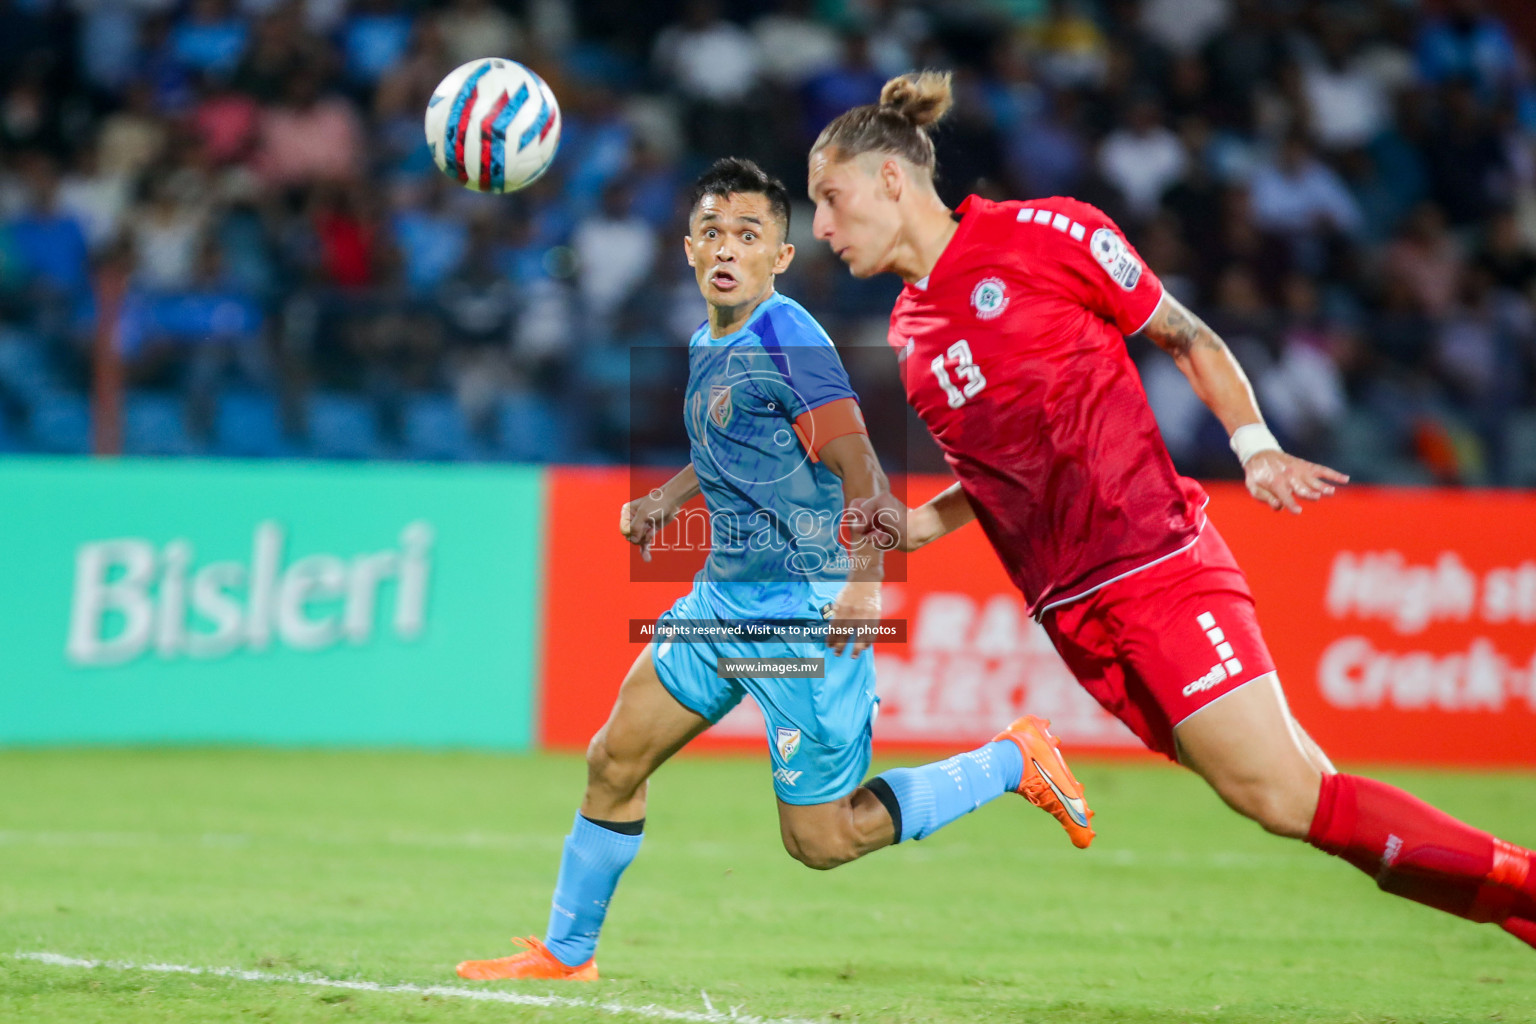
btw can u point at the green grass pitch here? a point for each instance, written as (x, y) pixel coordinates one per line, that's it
(391, 867)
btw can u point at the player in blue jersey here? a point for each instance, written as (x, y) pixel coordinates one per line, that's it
(779, 450)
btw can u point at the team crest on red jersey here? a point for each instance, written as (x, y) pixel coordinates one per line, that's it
(989, 297)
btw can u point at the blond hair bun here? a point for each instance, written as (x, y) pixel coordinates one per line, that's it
(921, 98)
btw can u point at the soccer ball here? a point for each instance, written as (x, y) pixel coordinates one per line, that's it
(493, 125)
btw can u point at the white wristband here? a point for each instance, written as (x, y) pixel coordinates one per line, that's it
(1250, 439)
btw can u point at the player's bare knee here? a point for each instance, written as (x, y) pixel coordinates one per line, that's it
(1279, 808)
(820, 852)
(1278, 817)
(819, 858)
(614, 777)
(598, 758)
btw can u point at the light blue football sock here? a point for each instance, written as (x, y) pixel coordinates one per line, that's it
(590, 867)
(933, 795)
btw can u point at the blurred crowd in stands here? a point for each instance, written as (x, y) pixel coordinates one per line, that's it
(1346, 190)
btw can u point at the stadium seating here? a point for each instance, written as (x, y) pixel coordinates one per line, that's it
(339, 260)
(1369, 451)
(343, 426)
(248, 424)
(24, 370)
(1520, 450)
(156, 424)
(434, 428)
(528, 429)
(60, 423)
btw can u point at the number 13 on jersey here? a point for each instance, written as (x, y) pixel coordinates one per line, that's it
(971, 380)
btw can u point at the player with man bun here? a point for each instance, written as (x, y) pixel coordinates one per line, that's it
(1010, 335)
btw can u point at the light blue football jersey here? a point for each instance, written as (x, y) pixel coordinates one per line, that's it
(774, 510)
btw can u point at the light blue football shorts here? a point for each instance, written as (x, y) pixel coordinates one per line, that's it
(819, 730)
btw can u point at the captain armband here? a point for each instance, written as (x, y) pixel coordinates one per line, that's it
(815, 427)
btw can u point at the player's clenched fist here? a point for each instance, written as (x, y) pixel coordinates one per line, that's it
(890, 525)
(882, 520)
(1278, 479)
(640, 519)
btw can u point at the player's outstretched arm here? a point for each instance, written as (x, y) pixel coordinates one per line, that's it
(641, 519)
(853, 459)
(1272, 476)
(907, 529)
(941, 514)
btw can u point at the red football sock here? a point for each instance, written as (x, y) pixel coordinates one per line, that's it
(1521, 929)
(1423, 854)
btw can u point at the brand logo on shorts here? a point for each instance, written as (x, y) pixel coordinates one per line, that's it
(786, 776)
(1218, 640)
(989, 297)
(787, 741)
(1228, 667)
(1394, 847)
(1215, 677)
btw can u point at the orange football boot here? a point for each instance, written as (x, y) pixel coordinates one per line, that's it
(534, 963)
(1048, 783)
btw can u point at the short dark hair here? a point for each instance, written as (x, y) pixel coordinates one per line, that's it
(732, 175)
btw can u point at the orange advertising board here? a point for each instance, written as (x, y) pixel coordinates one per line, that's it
(973, 661)
(588, 601)
(1403, 623)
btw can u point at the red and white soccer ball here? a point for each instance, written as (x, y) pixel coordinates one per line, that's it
(493, 125)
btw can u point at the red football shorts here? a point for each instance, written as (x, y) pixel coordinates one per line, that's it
(1157, 646)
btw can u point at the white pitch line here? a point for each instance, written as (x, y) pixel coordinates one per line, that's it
(484, 995)
(1234, 860)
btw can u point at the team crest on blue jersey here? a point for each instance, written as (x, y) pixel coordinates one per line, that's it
(720, 404)
(787, 741)
(989, 297)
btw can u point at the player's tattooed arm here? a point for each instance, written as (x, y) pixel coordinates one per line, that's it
(1272, 476)
(1204, 358)
(1178, 331)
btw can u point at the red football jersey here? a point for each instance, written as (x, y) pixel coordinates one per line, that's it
(1013, 353)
